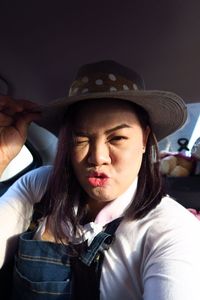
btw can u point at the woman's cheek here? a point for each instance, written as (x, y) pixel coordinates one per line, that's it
(130, 158)
(78, 156)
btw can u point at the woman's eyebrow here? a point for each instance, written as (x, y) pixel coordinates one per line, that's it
(108, 131)
(121, 126)
(80, 133)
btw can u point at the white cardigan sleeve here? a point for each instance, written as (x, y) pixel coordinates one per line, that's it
(16, 207)
(172, 266)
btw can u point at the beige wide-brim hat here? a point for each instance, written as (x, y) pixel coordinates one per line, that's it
(111, 80)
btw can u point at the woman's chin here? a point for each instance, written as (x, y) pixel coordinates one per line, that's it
(101, 194)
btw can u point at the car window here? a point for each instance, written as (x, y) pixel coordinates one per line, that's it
(19, 163)
(28, 159)
(190, 131)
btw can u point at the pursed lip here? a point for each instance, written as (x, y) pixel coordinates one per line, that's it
(97, 179)
(97, 175)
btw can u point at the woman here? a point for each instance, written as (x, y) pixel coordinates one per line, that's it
(105, 181)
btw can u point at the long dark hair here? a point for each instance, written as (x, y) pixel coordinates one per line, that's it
(59, 200)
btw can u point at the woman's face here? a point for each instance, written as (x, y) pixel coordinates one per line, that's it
(108, 147)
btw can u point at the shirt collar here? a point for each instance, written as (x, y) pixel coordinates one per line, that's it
(113, 210)
(116, 208)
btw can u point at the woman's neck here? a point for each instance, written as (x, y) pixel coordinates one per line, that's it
(92, 209)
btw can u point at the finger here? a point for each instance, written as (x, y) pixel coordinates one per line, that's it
(12, 106)
(5, 120)
(9, 105)
(29, 106)
(8, 112)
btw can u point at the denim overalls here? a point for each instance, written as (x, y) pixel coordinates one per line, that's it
(45, 270)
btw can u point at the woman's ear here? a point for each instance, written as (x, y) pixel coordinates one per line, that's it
(145, 137)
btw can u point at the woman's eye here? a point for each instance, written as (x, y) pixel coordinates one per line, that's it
(78, 142)
(118, 138)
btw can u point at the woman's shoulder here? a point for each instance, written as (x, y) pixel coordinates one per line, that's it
(36, 181)
(171, 223)
(31, 186)
(171, 214)
(168, 229)
(35, 176)
(170, 210)
(169, 220)
(39, 172)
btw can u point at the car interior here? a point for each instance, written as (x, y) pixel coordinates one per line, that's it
(43, 43)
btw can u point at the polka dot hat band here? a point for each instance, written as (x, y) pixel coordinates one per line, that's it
(109, 79)
(97, 78)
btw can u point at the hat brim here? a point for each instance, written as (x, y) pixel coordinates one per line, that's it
(167, 111)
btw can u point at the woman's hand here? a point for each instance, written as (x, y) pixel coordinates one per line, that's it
(15, 117)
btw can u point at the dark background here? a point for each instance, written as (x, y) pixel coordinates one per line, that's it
(42, 43)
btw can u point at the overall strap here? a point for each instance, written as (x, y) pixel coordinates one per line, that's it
(100, 243)
(112, 226)
(87, 267)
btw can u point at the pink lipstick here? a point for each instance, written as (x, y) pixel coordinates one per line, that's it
(97, 179)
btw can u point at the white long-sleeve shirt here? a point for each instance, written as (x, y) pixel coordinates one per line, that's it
(155, 258)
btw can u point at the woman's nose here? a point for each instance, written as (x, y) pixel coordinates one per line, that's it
(99, 154)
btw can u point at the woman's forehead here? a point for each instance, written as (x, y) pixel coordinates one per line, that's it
(103, 113)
